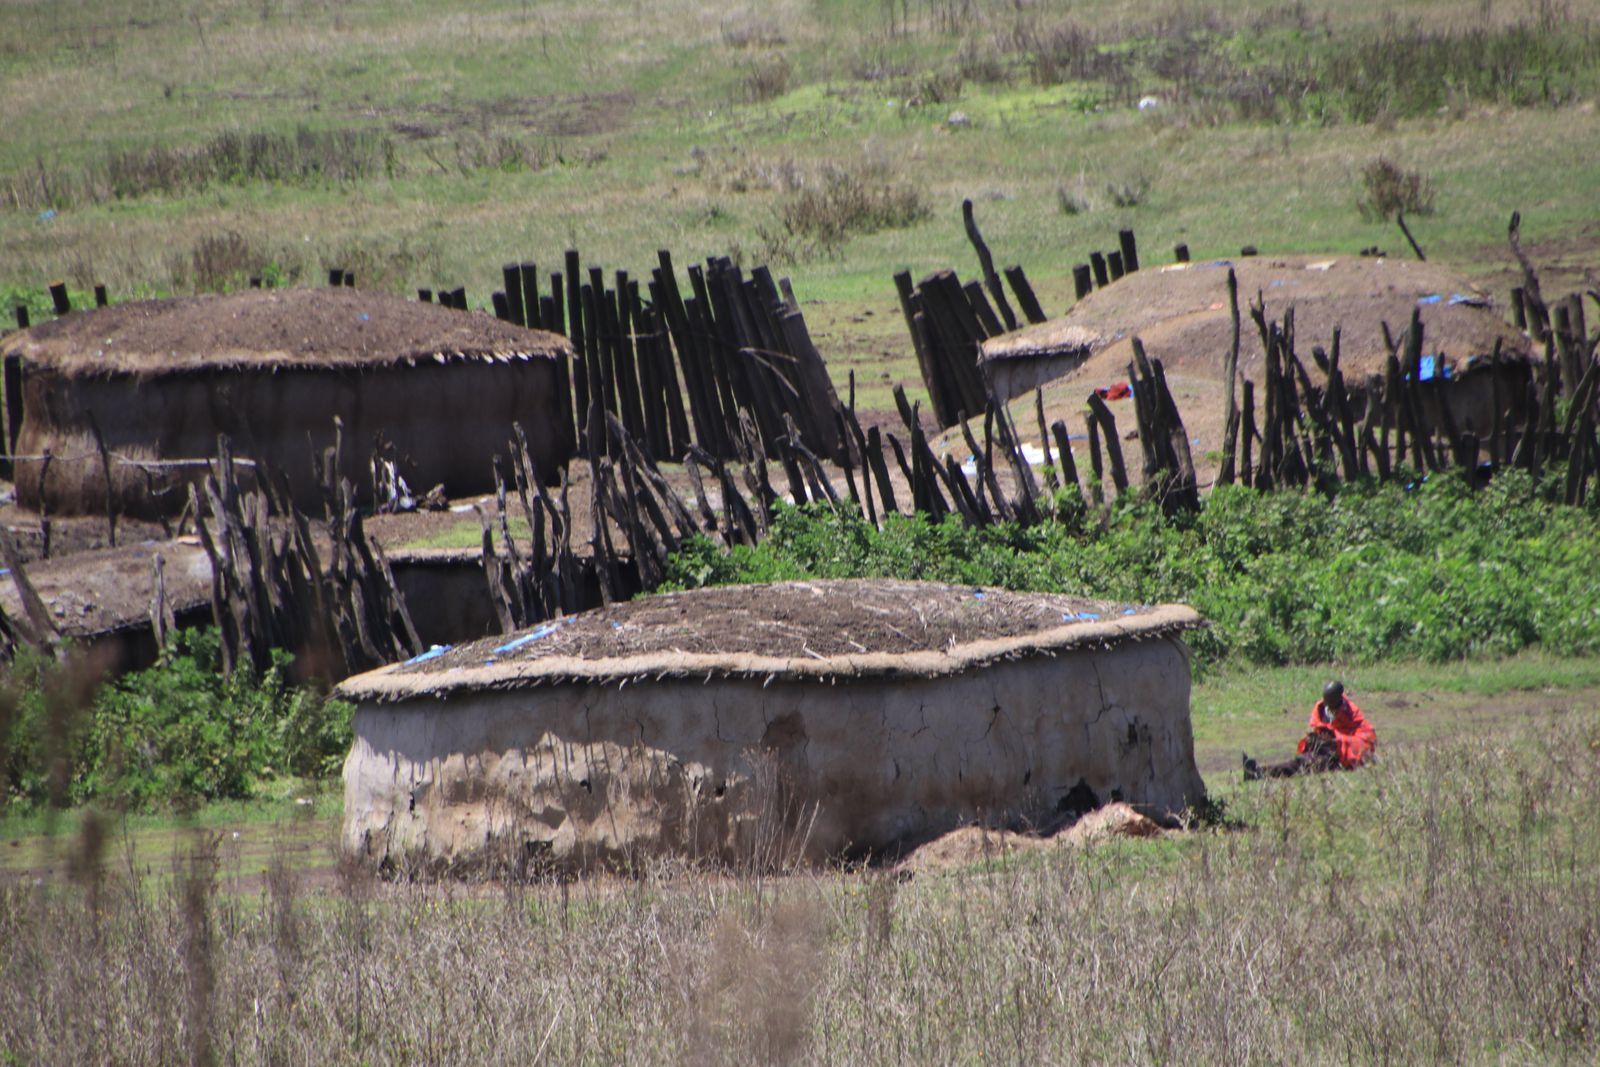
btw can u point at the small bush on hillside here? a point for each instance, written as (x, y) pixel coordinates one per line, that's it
(1389, 190)
(1130, 191)
(765, 79)
(841, 203)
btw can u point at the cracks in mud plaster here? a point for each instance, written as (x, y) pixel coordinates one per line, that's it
(1105, 707)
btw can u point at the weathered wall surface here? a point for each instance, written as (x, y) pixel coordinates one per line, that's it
(594, 774)
(1011, 378)
(445, 421)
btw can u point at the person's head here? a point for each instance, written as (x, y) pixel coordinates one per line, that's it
(1333, 695)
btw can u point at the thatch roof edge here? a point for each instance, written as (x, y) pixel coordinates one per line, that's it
(1056, 338)
(388, 685)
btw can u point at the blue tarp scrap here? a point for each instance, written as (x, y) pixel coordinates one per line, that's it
(1079, 616)
(433, 652)
(1469, 300)
(544, 631)
(1431, 298)
(1430, 367)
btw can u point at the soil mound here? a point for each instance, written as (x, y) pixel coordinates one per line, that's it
(1182, 315)
(975, 844)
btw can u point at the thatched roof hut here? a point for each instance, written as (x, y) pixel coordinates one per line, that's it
(811, 719)
(157, 381)
(1021, 361)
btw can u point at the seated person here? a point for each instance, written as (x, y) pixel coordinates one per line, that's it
(1337, 737)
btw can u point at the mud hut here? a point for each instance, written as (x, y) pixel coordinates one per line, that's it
(1181, 312)
(804, 719)
(155, 383)
(1023, 360)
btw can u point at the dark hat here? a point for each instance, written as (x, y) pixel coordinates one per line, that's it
(1333, 692)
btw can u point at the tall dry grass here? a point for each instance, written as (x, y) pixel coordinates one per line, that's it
(1443, 906)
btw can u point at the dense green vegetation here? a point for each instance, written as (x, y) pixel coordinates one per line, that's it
(1423, 570)
(176, 733)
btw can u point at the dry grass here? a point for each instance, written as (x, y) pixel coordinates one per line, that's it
(1443, 906)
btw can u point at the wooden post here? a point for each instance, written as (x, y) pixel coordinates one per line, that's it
(425, 296)
(1026, 301)
(1181, 252)
(1519, 309)
(336, 276)
(1130, 251)
(13, 412)
(1108, 423)
(910, 302)
(1098, 262)
(1249, 434)
(1069, 468)
(101, 299)
(880, 471)
(1082, 281)
(1114, 265)
(532, 302)
(981, 310)
(511, 274)
(986, 261)
(58, 295)
(1230, 373)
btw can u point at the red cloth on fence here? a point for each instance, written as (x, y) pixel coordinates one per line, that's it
(1120, 391)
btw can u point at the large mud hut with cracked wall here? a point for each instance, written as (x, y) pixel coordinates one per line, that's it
(808, 720)
(141, 391)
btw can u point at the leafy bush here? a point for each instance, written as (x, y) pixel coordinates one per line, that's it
(1431, 571)
(1392, 191)
(177, 732)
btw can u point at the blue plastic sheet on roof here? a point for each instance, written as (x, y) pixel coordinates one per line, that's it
(1430, 367)
(544, 631)
(433, 653)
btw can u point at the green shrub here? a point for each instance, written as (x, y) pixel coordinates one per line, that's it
(178, 732)
(1425, 569)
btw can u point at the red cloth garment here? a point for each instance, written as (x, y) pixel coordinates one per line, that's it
(1350, 729)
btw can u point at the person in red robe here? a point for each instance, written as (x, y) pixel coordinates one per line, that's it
(1338, 737)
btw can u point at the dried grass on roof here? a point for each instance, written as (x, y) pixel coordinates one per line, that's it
(816, 629)
(1057, 337)
(272, 329)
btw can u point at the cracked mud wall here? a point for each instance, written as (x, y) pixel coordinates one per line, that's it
(590, 774)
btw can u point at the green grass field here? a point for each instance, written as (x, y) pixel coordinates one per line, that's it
(184, 146)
